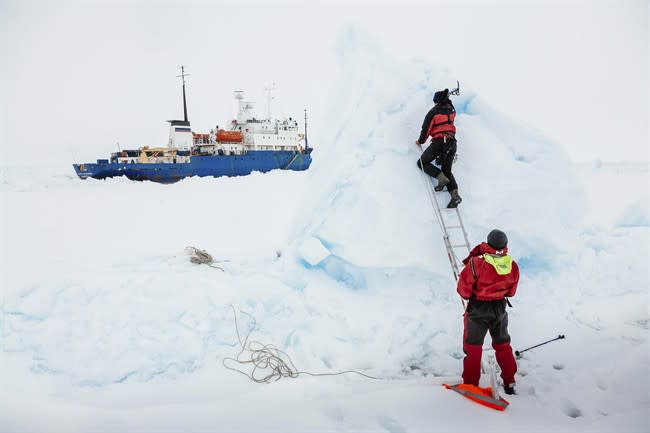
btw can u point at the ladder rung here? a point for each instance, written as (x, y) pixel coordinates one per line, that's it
(454, 227)
(459, 245)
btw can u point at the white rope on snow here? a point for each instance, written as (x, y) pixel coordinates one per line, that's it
(270, 364)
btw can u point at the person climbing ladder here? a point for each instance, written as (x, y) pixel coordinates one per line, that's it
(439, 125)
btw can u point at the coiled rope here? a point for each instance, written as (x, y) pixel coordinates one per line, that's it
(270, 364)
(201, 257)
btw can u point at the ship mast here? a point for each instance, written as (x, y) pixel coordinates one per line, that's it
(183, 75)
(268, 100)
(180, 132)
(306, 142)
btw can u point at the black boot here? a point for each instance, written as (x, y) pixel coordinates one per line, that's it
(442, 181)
(510, 389)
(455, 199)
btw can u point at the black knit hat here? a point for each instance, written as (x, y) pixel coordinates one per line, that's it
(497, 239)
(441, 96)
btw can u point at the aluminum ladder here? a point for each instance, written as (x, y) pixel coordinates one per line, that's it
(451, 223)
(452, 243)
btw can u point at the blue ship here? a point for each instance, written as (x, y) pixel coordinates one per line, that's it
(247, 145)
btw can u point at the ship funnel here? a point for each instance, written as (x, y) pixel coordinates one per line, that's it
(180, 134)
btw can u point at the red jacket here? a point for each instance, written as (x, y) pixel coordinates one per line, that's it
(443, 124)
(439, 122)
(488, 274)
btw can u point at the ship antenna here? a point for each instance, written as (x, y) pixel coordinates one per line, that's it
(183, 75)
(306, 142)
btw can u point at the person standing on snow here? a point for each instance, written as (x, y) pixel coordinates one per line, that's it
(439, 125)
(489, 277)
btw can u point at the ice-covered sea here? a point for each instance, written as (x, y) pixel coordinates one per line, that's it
(106, 325)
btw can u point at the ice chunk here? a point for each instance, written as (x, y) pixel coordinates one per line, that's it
(313, 251)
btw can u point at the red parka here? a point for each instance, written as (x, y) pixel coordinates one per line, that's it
(442, 124)
(488, 275)
(439, 122)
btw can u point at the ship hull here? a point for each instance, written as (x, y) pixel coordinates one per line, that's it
(200, 165)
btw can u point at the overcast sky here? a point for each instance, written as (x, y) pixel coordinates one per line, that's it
(79, 77)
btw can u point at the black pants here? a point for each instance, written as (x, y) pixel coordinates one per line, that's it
(446, 149)
(484, 316)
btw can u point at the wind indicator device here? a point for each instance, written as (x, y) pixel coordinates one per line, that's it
(455, 91)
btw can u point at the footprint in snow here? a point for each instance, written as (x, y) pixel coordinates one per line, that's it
(336, 414)
(570, 409)
(391, 425)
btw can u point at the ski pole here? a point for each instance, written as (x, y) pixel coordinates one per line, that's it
(519, 352)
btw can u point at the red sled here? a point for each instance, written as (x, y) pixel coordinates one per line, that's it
(479, 395)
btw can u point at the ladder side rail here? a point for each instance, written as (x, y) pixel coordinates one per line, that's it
(462, 225)
(443, 227)
(453, 259)
(451, 255)
(432, 198)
